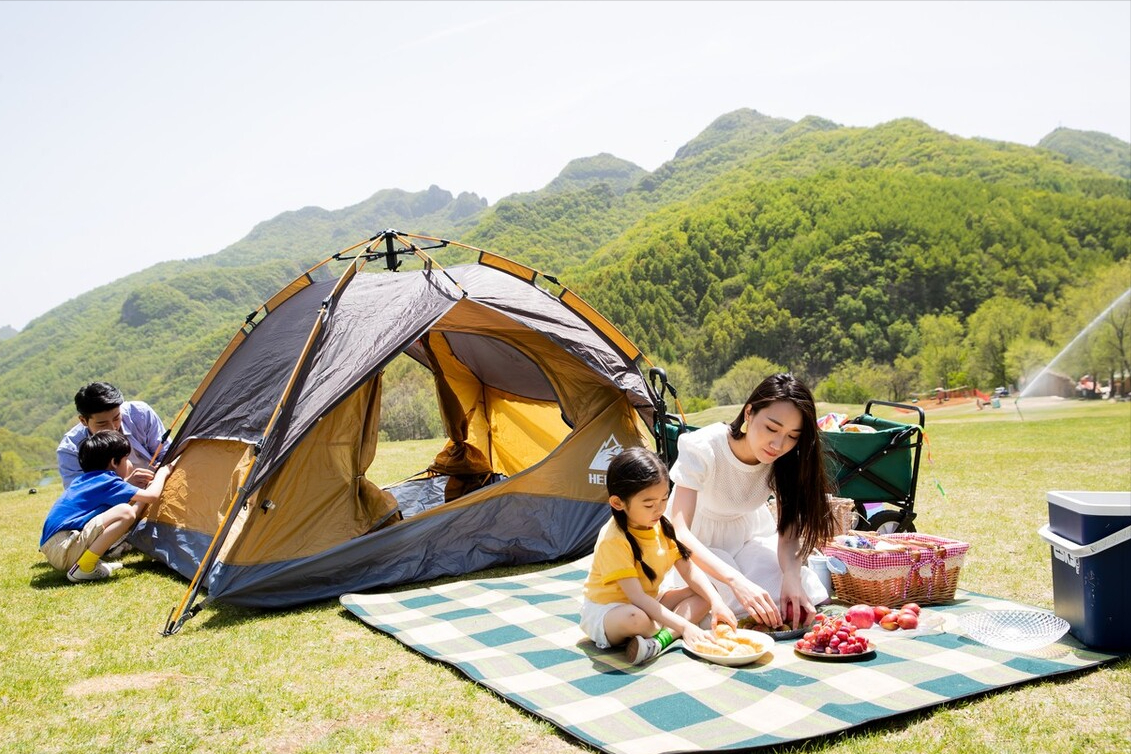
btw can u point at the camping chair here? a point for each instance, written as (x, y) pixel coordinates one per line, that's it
(878, 469)
(666, 427)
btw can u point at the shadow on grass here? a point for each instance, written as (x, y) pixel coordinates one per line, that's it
(44, 576)
(219, 615)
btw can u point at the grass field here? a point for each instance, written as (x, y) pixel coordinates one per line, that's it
(85, 668)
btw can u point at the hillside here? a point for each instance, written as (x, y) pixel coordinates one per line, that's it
(1091, 148)
(808, 244)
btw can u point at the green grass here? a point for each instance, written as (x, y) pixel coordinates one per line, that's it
(84, 668)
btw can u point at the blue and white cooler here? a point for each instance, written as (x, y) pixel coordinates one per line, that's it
(1090, 535)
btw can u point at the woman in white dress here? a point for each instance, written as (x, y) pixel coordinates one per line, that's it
(750, 500)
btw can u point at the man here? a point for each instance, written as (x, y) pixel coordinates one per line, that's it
(101, 407)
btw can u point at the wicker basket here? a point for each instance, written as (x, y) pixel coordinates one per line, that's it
(844, 513)
(924, 569)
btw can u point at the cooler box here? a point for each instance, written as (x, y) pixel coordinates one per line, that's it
(1090, 534)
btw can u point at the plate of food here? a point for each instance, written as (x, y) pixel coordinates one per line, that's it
(731, 647)
(820, 654)
(785, 631)
(777, 633)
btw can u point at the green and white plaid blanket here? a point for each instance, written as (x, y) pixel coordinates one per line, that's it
(519, 636)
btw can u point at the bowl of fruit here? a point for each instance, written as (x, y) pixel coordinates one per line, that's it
(833, 639)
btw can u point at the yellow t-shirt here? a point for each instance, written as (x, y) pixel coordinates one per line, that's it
(612, 561)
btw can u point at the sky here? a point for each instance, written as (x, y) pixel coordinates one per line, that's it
(137, 132)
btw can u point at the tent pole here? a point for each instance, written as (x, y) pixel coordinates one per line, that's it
(185, 610)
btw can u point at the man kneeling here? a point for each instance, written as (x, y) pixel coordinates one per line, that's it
(98, 509)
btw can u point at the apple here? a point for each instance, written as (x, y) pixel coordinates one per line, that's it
(912, 607)
(861, 616)
(907, 619)
(787, 616)
(890, 621)
(879, 611)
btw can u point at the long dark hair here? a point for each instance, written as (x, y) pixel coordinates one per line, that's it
(631, 471)
(798, 477)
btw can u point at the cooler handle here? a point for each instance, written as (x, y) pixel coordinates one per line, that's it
(1083, 551)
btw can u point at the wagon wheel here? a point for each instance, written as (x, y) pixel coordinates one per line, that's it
(890, 522)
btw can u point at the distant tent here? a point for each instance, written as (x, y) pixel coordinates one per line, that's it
(268, 504)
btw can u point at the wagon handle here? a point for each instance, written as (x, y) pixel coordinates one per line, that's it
(907, 406)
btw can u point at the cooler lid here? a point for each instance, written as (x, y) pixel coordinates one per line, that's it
(1092, 503)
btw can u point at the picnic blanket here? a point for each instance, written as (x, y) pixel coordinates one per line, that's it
(519, 636)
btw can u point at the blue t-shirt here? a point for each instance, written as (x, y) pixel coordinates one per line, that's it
(91, 493)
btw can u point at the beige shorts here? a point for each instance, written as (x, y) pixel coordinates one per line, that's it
(64, 548)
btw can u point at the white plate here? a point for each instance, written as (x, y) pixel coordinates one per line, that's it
(1014, 630)
(733, 661)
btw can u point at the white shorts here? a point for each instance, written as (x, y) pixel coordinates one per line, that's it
(593, 620)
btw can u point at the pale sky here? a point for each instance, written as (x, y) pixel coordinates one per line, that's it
(134, 132)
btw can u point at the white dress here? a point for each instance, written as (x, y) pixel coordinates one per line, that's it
(733, 513)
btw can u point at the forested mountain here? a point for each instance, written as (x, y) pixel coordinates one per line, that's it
(7, 331)
(1091, 148)
(880, 257)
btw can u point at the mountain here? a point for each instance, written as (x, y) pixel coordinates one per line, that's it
(7, 331)
(312, 233)
(1092, 148)
(807, 243)
(558, 230)
(619, 175)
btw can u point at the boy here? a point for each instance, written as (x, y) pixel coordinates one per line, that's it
(98, 509)
(100, 407)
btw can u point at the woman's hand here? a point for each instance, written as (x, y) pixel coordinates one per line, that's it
(757, 601)
(795, 603)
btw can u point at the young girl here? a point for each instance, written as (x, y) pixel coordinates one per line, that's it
(725, 477)
(635, 549)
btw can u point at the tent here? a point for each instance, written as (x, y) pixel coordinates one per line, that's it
(268, 503)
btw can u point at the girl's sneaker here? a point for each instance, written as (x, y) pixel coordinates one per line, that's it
(640, 649)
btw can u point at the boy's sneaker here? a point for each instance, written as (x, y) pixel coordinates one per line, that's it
(101, 571)
(641, 649)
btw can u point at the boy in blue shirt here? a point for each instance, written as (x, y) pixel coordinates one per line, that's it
(98, 509)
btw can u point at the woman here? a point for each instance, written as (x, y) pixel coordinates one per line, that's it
(750, 500)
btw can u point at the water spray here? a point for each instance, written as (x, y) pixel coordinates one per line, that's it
(1082, 333)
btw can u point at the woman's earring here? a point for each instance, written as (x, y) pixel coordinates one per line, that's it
(742, 429)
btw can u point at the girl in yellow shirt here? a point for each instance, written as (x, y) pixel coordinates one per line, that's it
(634, 551)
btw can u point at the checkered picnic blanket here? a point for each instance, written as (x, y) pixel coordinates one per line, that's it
(519, 636)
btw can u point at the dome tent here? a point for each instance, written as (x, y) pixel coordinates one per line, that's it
(268, 503)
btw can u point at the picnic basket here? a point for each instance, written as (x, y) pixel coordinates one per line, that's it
(921, 568)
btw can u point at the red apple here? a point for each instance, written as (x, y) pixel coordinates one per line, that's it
(787, 616)
(861, 616)
(890, 621)
(879, 611)
(907, 619)
(912, 607)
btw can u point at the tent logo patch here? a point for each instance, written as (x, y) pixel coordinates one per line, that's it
(600, 463)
